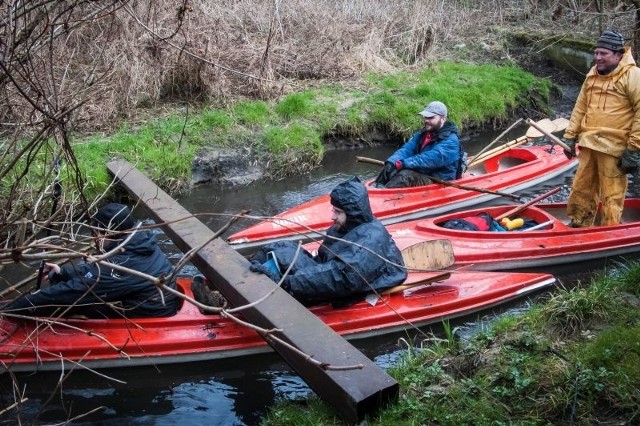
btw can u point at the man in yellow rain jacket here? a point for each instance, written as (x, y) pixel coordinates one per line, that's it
(605, 124)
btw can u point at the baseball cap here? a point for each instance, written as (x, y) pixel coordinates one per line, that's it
(434, 108)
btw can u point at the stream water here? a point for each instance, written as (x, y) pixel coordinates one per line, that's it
(227, 392)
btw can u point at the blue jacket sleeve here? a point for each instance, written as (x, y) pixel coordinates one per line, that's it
(409, 149)
(60, 294)
(439, 158)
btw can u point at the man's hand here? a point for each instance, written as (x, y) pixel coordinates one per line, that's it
(629, 161)
(388, 170)
(571, 143)
(52, 272)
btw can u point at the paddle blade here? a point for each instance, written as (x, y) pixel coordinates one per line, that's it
(561, 123)
(429, 255)
(557, 125)
(546, 124)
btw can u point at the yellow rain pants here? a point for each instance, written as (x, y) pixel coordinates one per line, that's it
(598, 179)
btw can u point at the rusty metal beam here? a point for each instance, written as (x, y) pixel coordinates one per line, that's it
(353, 393)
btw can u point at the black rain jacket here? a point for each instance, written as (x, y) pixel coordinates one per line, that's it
(89, 285)
(363, 258)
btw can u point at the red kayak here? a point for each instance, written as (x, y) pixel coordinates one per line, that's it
(515, 169)
(551, 243)
(30, 344)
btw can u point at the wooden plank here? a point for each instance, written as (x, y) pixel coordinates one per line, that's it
(353, 393)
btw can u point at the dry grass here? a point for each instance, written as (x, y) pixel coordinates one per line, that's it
(146, 53)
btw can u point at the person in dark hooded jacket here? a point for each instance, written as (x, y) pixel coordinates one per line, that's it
(357, 254)
(99, 291)
(434, 151)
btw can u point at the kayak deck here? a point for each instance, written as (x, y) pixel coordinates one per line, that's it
(553, 244)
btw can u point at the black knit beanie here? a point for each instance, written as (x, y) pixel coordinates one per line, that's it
(612, 40)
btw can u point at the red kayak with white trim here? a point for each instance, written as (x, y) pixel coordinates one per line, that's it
(549, 240)
(510, 171)
(55, 344)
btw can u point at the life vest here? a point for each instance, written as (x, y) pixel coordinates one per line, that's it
(481, 222)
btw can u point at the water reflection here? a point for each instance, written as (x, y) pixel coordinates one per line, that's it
(219, 393)
(266, 199)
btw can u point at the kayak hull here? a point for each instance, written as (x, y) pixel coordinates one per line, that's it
(554, 244)
(58, 344)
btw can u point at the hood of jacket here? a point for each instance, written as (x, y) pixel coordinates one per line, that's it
(352, 197)
(142, 243)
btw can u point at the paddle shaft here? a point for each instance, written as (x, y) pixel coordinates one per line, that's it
(57, 192)
(403, 287)
(539, 226)
(496, 151)
(525, 205)
(483, 156)
(551, 137)
(444, 182)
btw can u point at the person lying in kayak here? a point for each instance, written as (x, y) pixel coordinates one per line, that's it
(357, 254)
(98, 291)
(433, 151)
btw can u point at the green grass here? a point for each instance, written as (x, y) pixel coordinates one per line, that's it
(294, 137)
(252, 113)
(296, 105)
(156, 149)
(215, 119)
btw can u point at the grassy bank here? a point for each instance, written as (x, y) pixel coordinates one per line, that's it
(574, 359)
(288, 133)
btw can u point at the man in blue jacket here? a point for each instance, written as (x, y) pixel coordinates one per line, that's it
(357, 254)
(433, 151)
(99, 291)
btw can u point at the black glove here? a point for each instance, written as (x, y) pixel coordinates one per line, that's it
(629, 161)
(270, 272)
(54, 277)
(388, 171)
(571, 143)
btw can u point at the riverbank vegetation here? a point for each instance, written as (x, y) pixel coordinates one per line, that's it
(155, 82)
(573, 359)
(121, 63)
(288, 133)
